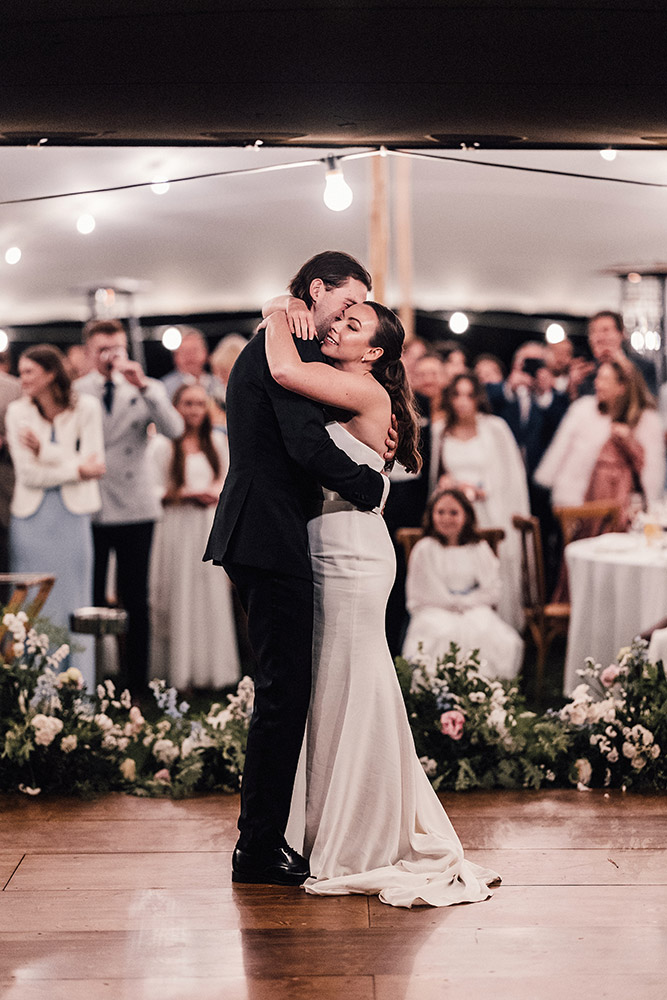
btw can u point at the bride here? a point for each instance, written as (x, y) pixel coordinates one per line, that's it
(363, 810)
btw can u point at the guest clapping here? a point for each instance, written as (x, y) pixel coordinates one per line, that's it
(452, 586)
(194, 639)
(57, 447)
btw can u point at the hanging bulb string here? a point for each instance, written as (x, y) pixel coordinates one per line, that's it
(322, 161)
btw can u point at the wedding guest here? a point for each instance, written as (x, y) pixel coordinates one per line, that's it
(452, 588)
(559, 359)
(479, 456)
(10, 389)
(56, 443)
(194, 640)
(130, 507)
(609, 445)
(222, 361)
(190, 360)
(606, 337)
(489, 369)
(414, 350)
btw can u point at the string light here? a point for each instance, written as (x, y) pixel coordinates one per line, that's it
(458, 322)
(4, 340)
(172, 338)
(337, 192)
(608, 154)
(555, 333)
(85, 223)
(13, 255)
(160, 185)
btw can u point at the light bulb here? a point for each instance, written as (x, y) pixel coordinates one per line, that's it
(160, 185)
(13, 256)
(337, 192)
(555, 333)
(171, 338)
(458, 322)
(608, 154)
(4, 340)
(85, 224)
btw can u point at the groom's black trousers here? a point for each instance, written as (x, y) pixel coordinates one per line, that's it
(280, 629)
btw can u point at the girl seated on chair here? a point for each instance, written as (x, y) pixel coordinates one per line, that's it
(452, 586)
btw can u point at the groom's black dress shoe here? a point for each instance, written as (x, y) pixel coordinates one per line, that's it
(271, 866)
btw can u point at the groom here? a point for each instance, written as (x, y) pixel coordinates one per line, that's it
(280, 456)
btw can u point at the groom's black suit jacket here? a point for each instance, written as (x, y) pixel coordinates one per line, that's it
(280, 453)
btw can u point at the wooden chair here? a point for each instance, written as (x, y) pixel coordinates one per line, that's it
(544, 621)
(408, 538)
(599, 515)
(22, 582)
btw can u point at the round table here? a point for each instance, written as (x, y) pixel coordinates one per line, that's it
(618, 588)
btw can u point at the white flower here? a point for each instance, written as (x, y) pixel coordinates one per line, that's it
(581, 693)
(638, 762)
(477, 696)
(584, 770)
(220, 720)
(110, 688)
(46, 729)
(549, 775)
(126, 699)
(72, 677)
(103, 721)
(429, 765)
(576, 713)
(69, 743)
(101, 693)
(26, 789)
(165, 751)
(497, 719)
(629, 750)
(612, 756)
(128, 769)
(19, 649)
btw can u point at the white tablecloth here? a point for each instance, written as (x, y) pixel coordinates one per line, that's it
(618, 588)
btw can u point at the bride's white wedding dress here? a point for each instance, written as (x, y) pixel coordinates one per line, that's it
(363, 811)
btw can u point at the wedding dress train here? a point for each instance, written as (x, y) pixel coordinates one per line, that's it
(363, 811)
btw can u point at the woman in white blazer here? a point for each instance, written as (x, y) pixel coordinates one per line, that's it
(57, 448)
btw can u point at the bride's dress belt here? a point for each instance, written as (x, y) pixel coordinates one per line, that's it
(332, 503)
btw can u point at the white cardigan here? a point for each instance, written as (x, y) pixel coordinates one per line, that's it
(568, 463)
(78, 433)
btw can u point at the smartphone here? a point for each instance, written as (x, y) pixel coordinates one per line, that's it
(531, 366)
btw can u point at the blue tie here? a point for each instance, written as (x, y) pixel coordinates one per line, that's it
(107, 397)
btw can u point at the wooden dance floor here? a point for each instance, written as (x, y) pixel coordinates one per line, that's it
(132, 899)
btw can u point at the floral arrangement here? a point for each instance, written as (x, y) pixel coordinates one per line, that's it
(56, 737)
(469, 731)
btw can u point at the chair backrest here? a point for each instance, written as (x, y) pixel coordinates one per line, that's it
(408, 538)
(593, 517)
(532, 565)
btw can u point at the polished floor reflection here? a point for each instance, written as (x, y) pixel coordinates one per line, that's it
(132, 898)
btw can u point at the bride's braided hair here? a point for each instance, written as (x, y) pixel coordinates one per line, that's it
(390, 373)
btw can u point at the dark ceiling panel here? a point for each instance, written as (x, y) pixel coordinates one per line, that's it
(400, 73)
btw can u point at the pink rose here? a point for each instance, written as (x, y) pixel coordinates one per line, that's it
(452, 724)
(163, 776)
(609, 675)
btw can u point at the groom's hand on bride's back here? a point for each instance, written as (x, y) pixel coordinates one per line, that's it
(391, 444)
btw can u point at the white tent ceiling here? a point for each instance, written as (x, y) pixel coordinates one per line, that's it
(484, 239)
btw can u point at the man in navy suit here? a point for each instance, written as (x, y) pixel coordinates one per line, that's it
(280, 456)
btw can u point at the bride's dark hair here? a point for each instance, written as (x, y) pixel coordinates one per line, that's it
(390, 373)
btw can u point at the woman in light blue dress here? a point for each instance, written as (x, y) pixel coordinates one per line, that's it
(57, 448)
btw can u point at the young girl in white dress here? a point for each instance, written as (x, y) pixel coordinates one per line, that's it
(452, 589)
(193, 631)
(363, 811)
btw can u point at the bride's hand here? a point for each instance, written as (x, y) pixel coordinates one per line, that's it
(300, 320)
(391, 442)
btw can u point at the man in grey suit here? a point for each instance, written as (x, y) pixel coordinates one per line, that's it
(10, 389)
(130, 506)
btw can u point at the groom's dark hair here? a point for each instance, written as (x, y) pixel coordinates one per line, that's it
(333, 267)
